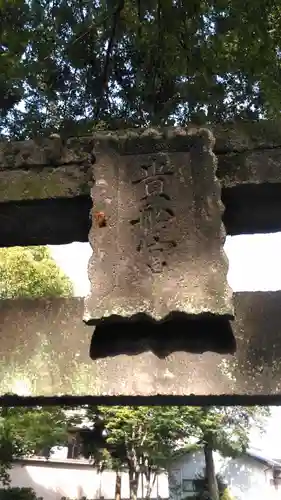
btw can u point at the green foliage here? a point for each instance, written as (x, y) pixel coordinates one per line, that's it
(149, 432)
(18, 494)
(141, 439)
(29, 431)
(31, 272)
(227, 429)
(227, 495)
(131, 63)
(147, 439)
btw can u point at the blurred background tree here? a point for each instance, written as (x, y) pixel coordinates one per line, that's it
(68, 65)
(31, 272)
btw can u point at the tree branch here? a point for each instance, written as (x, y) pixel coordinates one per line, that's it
(105, 74)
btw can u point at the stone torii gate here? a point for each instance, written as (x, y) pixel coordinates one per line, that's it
(161, 319)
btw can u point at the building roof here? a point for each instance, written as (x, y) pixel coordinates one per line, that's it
(263, 459)
(71, 462)
(185, 450)
(254, 454)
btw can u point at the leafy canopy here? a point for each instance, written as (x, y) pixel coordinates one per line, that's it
(67, 65)
(162, 433)
(31, 272)
(142, 439)
(28, 431)
(227, 429)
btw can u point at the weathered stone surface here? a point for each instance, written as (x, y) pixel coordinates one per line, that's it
(49, 168)
(230, 137)
(40, 195)
(250, 167)
(45, 352)
(46, 183)
(42, 152)
(45, 168)
(161, 250)
(69, 181)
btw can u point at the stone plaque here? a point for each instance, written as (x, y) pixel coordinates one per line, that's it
(157, 233)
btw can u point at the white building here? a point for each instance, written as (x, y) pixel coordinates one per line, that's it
(76, 478)
(249, 477)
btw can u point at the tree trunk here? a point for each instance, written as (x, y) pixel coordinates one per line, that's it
(210, 472)
(118, 485)
(134, 483)
(149, 485)
(134, 470)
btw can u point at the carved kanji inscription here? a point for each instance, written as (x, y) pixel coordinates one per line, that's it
(161, 250)
(155, 213)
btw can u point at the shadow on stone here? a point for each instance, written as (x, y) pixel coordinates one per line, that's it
(177, 332)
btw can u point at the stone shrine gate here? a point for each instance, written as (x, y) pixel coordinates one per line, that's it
(160, 320)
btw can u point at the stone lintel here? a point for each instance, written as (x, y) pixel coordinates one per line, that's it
(248, 153)
(46, 151)
(45, 352)
(39, 200)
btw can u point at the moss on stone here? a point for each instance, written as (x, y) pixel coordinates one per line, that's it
(49, 183)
